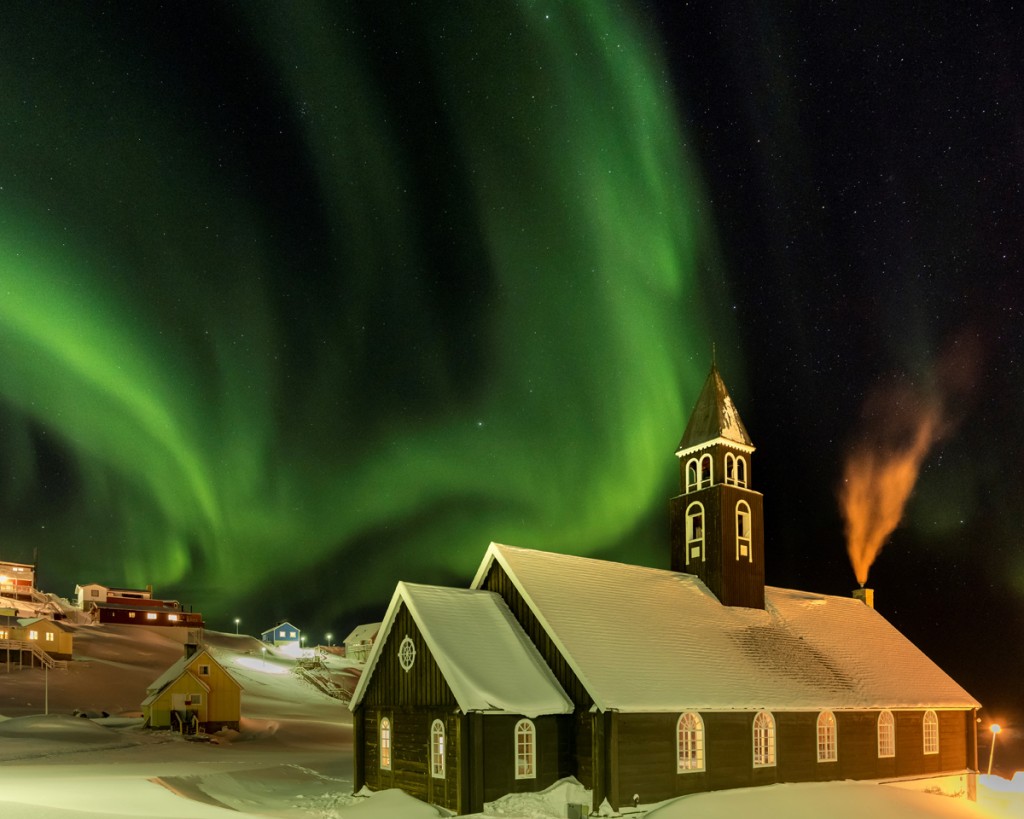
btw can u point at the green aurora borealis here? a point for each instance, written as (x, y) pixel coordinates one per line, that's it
(301, 295)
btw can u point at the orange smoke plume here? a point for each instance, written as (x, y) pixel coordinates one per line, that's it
(878, 478)
(902, 425)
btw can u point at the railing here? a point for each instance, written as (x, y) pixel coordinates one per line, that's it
(44, 658)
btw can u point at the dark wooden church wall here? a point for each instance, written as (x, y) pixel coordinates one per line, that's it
(554, 737)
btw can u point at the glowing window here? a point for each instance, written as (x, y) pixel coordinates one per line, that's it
(291, 634)
(151, 615)
(3, 634)
(406, 653)
(172, 617)
(827, 747)
(281, 633)
(744, 548)
(931, 733)
(886, 734)
(526, 750)
(705, 471)
(131, 615)
(694, 533)
(385, 744)
(437, 749)
(49, 637)
(689, 743)
(764, 740)
(33, 635)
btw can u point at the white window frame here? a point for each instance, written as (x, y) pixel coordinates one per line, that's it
(741, 471)
(437, 749)
(689, 742)
(204, 670)
(930, 732)
(695, 540)
(692, 475)
(33, 635)
(197, 699)
(526, 749)
(705, 479)
(886, 735)
(828, 739)
(764, 740)
(385, 743)
(49, 636)
(744, 541)
(406, 653)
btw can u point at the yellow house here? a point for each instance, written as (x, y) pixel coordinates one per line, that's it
(195, 694)
(53, 638)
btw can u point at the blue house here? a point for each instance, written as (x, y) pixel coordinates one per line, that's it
(283, 634)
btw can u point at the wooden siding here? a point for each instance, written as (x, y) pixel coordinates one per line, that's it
(499, 582)
(554, 738)
(645, 762)
(734, 582)
(392, 685)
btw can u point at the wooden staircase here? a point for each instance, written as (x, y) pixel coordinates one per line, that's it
(37, 654)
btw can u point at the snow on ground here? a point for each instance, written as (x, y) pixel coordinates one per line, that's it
(293, 755)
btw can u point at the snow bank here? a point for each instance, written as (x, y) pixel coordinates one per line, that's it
(58, 728)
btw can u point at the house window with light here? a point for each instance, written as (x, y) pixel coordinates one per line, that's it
(385, 744)
(33, 635)
(173, 618)
(827, 746)
(49, 637)
(437, 749)
(151, 615)
(886, 734)
(281, 633)
(694, 532)
(689, 743)
(526, 750)
(4, 634)
(744, 550)
(931, 733)
(764, 740)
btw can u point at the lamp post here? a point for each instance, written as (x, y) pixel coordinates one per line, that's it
(995, 729)
(264, 650)
(329, 638)
(237, 621)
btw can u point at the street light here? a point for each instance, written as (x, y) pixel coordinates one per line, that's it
(237, 621)
(995, 729)
(329, 638)
(264, 650)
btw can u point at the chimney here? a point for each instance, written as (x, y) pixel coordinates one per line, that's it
(866, 596)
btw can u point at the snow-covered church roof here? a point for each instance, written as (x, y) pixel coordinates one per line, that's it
(642, 639)
(483, 653)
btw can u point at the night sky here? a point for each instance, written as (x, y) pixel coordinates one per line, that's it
(299, 300)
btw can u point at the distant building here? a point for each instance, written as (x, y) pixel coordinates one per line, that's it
(281, 635)
(648, 684)
(360, 641)
(17, 580)
(195, 694)
(136, 607)
(34, 640)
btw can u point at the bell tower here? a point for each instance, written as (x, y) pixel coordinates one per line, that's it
(717, 520)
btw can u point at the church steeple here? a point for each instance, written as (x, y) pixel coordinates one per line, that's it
(717, 521)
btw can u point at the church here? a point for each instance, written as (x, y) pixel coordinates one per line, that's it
(647, 684)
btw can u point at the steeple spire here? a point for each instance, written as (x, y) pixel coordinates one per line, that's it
(714, 417)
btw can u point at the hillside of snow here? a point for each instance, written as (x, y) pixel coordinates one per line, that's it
(293, 754)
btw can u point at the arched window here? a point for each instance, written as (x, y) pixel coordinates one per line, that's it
(931, 733)
(744, 549)
(437, 749)
(730, 468)
(526, 750)
(741, 471)
(692, 481)
(764, 740)
(690, 743)
(705, 471)
(827, 747)
(385, 744)
(886, 734)
(694, 533)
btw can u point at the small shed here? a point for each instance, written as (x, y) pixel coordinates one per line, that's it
(195, 694)
(360, 641)
(283, 634)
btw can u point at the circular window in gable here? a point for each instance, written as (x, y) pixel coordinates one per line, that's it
(406, 653)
